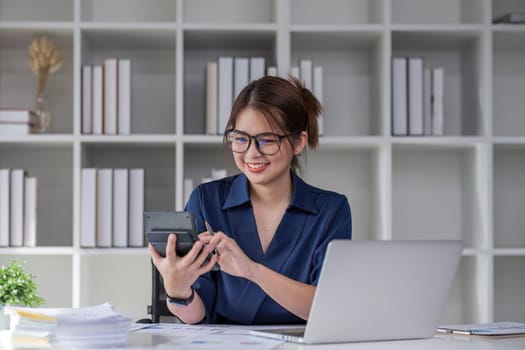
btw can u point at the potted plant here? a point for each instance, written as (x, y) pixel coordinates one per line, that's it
(17, 287)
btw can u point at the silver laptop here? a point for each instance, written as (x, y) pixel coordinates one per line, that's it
(377, 290)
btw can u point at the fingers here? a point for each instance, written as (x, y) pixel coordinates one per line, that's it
(204, 268)
(170, 247)
(154, 255)
(205, 237)
(193, 253)
(220, 242)
(206, 253)
(194, 262)
(208, 239)
(218, 237)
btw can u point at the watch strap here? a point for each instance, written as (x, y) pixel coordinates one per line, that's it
(181, 302)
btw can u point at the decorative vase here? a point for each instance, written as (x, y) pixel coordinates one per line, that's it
(42, 113)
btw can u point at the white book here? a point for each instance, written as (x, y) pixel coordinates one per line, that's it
(211, 98)
(317, 82)
(87, 103)
(295, 72)
(110, 95)
(5, 205)
(437, 101)
(98, 100)
(399, 97)
(104, 207)
(17, 208)
(124, 97)
(30, 210)
(120, 207)
(14, 129)
(272, 71)
(225, 91)
(306, 71)
(17, 116)
(188, 189)
(136, 207)
(241, 74)
(427, 101)
(88, 215)
(415, 96)
(257, 68)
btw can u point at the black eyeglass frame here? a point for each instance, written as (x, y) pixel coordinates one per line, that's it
(254, 137)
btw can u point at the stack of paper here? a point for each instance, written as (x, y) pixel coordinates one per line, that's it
(94, 326)
(29, 328)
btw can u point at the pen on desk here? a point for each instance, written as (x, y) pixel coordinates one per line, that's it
(209, 229)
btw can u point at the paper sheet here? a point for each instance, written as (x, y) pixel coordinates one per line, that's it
(206, 336)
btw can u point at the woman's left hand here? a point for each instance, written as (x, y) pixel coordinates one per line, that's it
(231, 257)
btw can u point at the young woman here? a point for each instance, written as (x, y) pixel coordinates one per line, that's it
(272, 227)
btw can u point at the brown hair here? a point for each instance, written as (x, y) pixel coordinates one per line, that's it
(286, 105)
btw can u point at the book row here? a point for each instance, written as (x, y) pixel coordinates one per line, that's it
(18, 208)
(17, 122)
(112, 207)
(227, 76)
(417, 98)
(106, 97)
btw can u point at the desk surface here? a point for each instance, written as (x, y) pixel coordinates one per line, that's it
(443, 342)
(156, 341)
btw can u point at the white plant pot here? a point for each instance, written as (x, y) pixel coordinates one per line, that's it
(4, 319)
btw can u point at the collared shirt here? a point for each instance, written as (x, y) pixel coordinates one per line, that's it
(313, 218)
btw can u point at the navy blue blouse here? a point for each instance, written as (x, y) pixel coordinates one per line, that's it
(313, 218)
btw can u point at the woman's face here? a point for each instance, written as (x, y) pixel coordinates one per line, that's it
(263, 169)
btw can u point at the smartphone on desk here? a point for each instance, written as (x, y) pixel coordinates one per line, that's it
(158, 225)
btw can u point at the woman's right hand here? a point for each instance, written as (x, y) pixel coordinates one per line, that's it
(180, 272)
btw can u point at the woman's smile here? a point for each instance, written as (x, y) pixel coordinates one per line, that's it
(256, 167)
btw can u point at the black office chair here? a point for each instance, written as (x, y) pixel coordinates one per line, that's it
(158, 309)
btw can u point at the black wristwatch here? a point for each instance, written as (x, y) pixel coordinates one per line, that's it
(181, 302)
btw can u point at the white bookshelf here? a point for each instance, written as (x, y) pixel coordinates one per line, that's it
(468, 184)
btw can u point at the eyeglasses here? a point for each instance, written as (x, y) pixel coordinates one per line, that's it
(267, 143)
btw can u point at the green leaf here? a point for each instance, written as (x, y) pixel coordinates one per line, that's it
(17, 287)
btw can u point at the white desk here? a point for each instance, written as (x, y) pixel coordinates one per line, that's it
(146, 341)
(442, 342)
